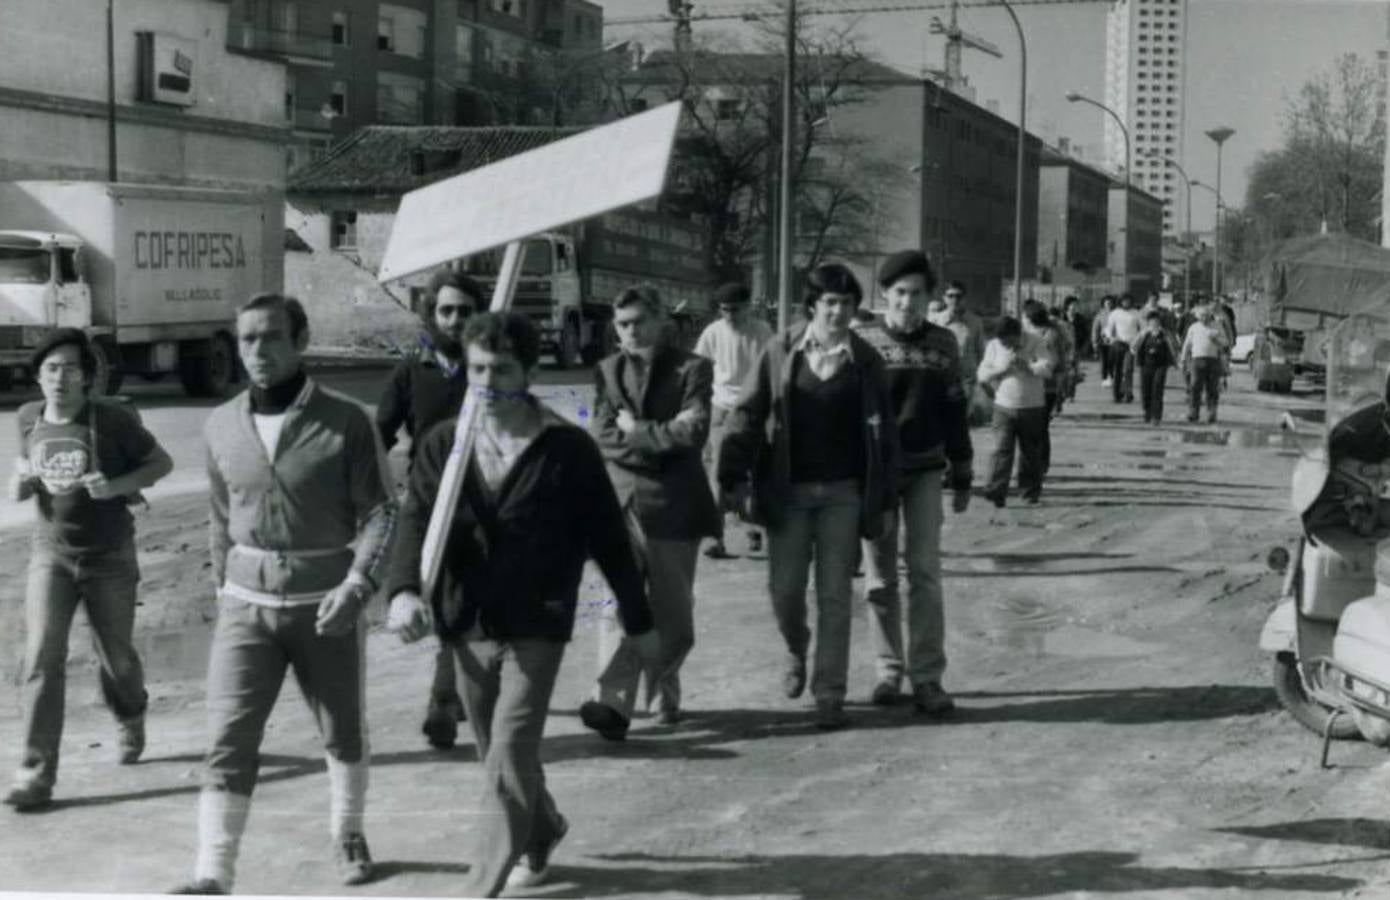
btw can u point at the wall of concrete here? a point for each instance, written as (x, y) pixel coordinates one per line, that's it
(53, 98)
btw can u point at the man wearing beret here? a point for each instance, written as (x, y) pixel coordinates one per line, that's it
(732, 342)
(930, 405)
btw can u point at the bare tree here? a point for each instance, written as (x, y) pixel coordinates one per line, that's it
(1329, 168)
(731, 137)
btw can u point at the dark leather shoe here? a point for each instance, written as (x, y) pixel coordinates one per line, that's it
(794, 678)
(885, 693)
(607, 721)
(29, 797)
(203, 886)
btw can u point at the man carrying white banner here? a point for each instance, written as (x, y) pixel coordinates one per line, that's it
(535, 503)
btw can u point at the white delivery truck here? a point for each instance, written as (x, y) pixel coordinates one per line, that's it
(153, 273)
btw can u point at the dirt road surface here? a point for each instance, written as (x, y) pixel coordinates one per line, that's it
(1116, 735)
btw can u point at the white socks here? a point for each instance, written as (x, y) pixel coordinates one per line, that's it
(221, 821)
(347, 787)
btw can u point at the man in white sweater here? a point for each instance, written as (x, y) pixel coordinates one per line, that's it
(1122, 329)
(1016, 366)
(1202, 350)
(732, 342)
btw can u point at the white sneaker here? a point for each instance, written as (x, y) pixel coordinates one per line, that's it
(1106, 382)
(533, 868)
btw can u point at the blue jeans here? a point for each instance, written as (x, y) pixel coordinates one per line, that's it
(104, 583)
(506, 688)
(921, 516)
(821, 521)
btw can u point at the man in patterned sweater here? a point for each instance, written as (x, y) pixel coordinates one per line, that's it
(923, 366)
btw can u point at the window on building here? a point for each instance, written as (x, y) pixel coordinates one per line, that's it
(726, 108)
(401, 30)
(337, 98)
(291, 90)
(341, 34)
(400, 99)
(342, 229)
(463, 52)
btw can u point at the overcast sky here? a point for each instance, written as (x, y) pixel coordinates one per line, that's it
(1245, 59)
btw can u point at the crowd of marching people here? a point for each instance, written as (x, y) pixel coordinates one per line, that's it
(836, 443)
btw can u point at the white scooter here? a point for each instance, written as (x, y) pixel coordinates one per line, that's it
(1330, 633)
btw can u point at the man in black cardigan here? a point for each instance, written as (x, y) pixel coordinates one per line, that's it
(536, 502)
(651, 420)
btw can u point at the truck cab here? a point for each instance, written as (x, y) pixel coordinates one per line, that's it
(41, 287)
(550, 292)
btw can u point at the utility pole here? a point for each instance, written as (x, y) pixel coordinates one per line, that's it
(785, 218)
(110, 91)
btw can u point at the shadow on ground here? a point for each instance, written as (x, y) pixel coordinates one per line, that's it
(963, 876)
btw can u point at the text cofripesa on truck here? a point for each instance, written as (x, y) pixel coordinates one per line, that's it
(154, 274)
(569, 278)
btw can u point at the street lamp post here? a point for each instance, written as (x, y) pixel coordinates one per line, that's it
(1187, 260)
(1022, 144)
(784, 213)
(111, 171)
(1219, 135)
(1074, 97)
(1216, 241)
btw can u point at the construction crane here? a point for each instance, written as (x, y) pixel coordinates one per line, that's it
(754, 12)
(956, 40)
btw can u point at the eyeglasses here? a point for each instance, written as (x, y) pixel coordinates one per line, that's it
(955, 295)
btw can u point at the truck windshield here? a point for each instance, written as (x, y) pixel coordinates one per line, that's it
(23, 266)
(535, 261)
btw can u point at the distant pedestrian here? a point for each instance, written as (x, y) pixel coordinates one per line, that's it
(922, 362)
(1203, 349)
(1154, 355)
(535, 502)
(427, 387)
(1016, 365)
(812, 454)
(732, 343)
(300, 515)
(1100, 340)
(651, 420)
(83, 459)
(1080, 333)
(970, 335)
(1122, 329)
(1225, 316)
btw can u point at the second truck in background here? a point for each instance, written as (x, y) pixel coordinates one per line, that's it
(570, 277)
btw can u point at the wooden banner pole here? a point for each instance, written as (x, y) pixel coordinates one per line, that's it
(465, 434)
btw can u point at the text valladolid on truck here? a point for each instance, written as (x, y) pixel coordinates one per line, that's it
(569, 278)
(153, 274)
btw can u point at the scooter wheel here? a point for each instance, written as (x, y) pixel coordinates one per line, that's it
(1293, 696)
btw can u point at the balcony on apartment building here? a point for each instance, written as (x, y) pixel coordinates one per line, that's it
(298, 46)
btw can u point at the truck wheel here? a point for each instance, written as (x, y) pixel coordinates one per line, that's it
(107, 380)
(1293, 696)
(567, 348)
(206, 367)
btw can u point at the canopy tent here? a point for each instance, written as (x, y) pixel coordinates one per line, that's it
(1312, 279)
